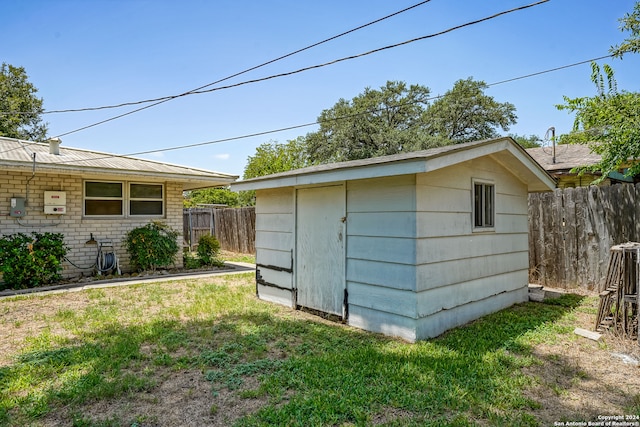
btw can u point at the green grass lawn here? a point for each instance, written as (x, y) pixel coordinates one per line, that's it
(237, 257)
(67, 353)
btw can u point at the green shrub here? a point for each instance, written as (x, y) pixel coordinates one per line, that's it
(152, 246)
(190, 262)
(31, 261)
(208, 250)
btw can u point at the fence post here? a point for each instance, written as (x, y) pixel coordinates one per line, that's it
(190, 232)
(212, 230)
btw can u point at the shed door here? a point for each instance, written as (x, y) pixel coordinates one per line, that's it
(320, 250)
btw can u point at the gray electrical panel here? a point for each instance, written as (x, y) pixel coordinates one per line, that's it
(17, 207)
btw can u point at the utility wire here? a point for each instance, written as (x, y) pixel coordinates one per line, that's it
(196, 90)
(192, 91)
(457, 27)
(263, 133)
(551, 70)
(537, 73)
(198, 144)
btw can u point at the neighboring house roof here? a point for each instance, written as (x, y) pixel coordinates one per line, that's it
(504, 150)
(17, 155)
(568, 156)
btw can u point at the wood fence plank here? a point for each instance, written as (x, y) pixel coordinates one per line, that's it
(571, 239)
(556, 265)
(233, 227)
(571, 232)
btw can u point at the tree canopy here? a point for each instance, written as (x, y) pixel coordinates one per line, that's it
(630, 22)
(20, 108)
(531, 141)
(374, 123)
(466, 114)
(397, 118)
(273, 157)
(211, 196)
(609, 122)
(392, 119)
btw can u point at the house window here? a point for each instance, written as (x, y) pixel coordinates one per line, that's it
(103, 198)
(109, 199)
(146, 199)
(483, 204)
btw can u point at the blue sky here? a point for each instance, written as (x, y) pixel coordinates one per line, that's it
(89, 53)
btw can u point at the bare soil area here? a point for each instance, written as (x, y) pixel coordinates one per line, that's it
(583, 379)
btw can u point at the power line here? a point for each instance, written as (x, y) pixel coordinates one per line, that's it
(268, 132)
(192, 91)
(199, 144)
(457, 27)
(551, 70)
(537, 73)
(335, 61)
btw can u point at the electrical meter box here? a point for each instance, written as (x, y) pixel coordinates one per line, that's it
(17, 207)
(55, 202)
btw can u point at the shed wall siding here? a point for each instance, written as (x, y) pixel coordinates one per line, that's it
(274, 244)
(442, 321)
(375, 320)
(381, 254)
(463, 274)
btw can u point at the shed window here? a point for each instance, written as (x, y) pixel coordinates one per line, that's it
(103, 198)
(483, 205)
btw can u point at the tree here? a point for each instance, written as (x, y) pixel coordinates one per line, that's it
(609, 122)
(211, 196)
(374, 123)
(466, 114)
(630, 22)
(531, 141)
(20, 109)
(393, 119)
(273, 157)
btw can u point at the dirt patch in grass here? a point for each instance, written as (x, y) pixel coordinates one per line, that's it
(390, 414)
(180, 398)
(28, 317)
(580, 379)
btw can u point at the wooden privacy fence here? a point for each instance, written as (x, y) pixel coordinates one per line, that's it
(571, 232)
(235, 228)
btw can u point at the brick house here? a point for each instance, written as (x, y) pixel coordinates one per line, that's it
(83, 194)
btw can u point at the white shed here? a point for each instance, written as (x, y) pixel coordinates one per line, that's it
(409, 245)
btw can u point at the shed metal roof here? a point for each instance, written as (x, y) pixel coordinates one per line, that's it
(504, 150)
(18, 155)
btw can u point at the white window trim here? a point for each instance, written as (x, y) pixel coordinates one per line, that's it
(85, 198)
(480, 228)
(125, 199)
(133, 199)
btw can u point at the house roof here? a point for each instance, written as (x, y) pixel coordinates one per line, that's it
(504, 150)
(17, 155)
(568, 156)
